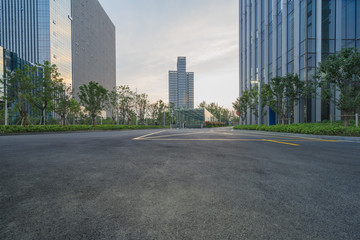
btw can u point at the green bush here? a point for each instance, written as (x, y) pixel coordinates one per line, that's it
(337, 129)
(69, 128)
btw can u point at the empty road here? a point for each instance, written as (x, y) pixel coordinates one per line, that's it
(178, 184)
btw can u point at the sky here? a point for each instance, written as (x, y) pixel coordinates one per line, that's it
(151, 34)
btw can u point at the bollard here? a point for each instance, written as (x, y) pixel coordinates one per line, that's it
(357, 120)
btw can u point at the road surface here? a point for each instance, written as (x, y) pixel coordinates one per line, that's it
(178, 184)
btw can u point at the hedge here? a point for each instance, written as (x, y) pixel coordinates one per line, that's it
(307, 128)
(70, 128)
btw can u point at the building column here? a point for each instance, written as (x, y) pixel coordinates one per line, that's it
(284, 38)
(249, 52)
(296, 52)
(317, 104)
(338, 35)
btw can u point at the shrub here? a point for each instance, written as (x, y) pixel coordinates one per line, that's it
(337, 129)
(68, 128)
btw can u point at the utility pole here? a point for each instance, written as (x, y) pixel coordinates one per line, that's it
(164, 117)
(260, 108)
(136, 109)
(6, 103)
(117, 109)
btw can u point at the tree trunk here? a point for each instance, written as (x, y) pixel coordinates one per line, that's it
(24, 120)
(63, 121)
(347, 119)
(93, 120)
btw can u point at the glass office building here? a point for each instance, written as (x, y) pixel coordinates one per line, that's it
(38, 31)
(181, 86)
(278, 37)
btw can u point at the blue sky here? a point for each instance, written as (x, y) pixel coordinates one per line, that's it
(152, 33)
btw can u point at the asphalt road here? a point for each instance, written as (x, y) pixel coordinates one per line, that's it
(178, 184)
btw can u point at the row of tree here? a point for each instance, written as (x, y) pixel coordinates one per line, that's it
(337, 80)
(40, 91)
(220, 113)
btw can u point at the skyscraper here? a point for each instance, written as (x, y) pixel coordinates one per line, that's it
(93, 44)
(181, 86)
(77, 36)
(278, 37)
(38, 31)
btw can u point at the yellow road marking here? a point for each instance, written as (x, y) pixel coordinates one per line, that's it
(292, 144)
(138, 138)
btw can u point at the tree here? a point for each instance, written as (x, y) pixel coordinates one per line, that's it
(220, 113)
(341, 72)
(126, 102)
(242, 104)
(46, 82)
(283, 93)
(66, 104)
(20, 88)
(142, 104)
(112, 104)
(93, 97)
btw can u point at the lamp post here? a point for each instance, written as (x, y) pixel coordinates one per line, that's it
(164, 117)
(117, 109)
(6, 103)
(260, 108)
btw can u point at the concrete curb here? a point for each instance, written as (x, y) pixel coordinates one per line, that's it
(325, 137)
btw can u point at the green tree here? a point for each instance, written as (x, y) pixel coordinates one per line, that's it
(112, 104)
(126, 103)
(341, 72)
(142, 104)
(65, 104)
(46, 82)
(93, 97)
(20, 88)
(283, 93)
(242, 104)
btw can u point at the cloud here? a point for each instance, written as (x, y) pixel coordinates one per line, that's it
(152, 33)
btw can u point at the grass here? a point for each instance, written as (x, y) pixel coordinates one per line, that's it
(337, 129)
(70, 128)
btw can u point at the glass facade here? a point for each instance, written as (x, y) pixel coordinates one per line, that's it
(181, 86)
(38, 31)
(288, 36)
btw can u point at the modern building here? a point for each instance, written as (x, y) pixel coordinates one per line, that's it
(10, 61)
(193, 118)
(38, 31)
(75, 35)
(93, 44)
(181, 86)
(278, 37)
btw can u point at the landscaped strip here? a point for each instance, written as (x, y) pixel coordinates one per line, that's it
(70, 128)
(307, 128)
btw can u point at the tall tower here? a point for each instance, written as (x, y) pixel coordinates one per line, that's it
(38, 31)
(181, 86)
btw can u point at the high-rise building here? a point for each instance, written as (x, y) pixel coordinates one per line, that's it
(77, 36)
(93, 44)
(38, 31)
(181, 86)
(278, 37)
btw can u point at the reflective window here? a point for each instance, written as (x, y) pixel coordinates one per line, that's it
(348, 19)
